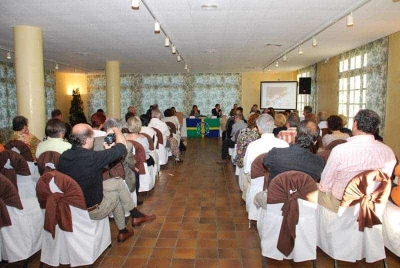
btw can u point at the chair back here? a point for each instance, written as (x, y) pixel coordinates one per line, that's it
(159, 137)
(8, 197)
(47, 161)
(367, 189)
(21, 148)
(259, 170)
(328, 149)
(139, 155)
(179, 115)
(13, 164)
(172, 128)
(325, 131)
(287, 188)
(150, 140)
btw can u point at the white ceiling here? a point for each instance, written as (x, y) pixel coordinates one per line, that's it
(232, 38)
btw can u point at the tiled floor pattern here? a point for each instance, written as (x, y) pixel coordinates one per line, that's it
(200, 222)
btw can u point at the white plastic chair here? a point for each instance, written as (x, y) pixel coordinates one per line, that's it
(80, 247)
(391, 228)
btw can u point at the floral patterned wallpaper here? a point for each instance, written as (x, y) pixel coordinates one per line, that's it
(167, 90)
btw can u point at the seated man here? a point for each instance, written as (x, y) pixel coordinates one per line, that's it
(360, 153)
(102, 197)
(55, 130)
(298, 156)
(21, 133)
(217, 111)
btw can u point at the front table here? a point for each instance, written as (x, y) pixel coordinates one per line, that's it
(202, 127)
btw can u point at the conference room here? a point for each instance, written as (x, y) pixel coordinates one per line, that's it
(338, 57)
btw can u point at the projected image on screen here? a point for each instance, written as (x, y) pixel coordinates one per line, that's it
(280, 95)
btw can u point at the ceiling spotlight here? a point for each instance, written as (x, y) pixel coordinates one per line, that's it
(350, 22)
(300, 50)
(167, 42)
(269, 69)
(135, 4)
(284, 58)
(178, 58)
(277, 64)
(157, 27)
(8, 55)
(56, 66)
(314, 42)
(186, 66)
(173, 49)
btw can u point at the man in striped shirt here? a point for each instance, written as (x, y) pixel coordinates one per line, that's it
(360, 153)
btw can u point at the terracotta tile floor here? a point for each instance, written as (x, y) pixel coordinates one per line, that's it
(200, 222)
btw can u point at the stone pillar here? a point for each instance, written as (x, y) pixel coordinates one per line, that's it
(28, 46)
(113, 85)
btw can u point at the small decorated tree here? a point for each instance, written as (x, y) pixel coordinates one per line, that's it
(76, 109)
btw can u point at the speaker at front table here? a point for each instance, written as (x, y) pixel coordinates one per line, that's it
(305, 85)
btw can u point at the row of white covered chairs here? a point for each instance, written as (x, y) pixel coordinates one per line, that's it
(291, 222)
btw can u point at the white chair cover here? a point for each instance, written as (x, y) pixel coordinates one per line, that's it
(156, 167)
(339, 237)
(240, 178)
(256, 186)
(34, 171)
(147, 180)
(269, 225)
(234, 153)
(162, 154)
(80, 247)
(23, 238)
(391, 228)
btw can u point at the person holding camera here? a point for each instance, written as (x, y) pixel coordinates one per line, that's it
(102, 197)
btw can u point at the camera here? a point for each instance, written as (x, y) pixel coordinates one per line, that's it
(109, 139)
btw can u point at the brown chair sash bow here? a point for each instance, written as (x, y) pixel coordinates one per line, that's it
(45, 158)
(139, 156)
(114, 170)
(172, 128)
(57, 204)
(286, 188)
(11, 164)
(356, 192)
(259, 170)
(22, 148)
(150, 141)
(8, 197)
(159, 137)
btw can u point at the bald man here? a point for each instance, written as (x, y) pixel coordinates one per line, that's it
(102, 197)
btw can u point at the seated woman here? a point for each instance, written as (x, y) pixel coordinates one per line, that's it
(280, 122)
(134, 126)
(335, 124)
(195, 111)
(21, 133)
(170, 117)
(98, 120)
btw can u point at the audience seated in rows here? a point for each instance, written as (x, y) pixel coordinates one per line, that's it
(360, 153)
(297, 157)
(21, 133)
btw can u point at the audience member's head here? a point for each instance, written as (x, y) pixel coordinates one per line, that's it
(293, 120)
(366, 121)
(235, 105)
(321, 116)
(307, 134)
(156, 114)
(280, 120)
(168, 113)
(252, 121)
(97, 120)
(128, 115)
(194, 108)
(254, 108)
(100, 111)
(217, 106)
(55, 128)
(344, 119)
(82, 136)
(56, 114)
(145, 118)
(307, 110)
(239, 109)
(132, 109)
(173, 110)
(134, 124)
(311, 117)
(265, 123)
(19, 123)
(335, 122)
(110, 123)
(271, 111)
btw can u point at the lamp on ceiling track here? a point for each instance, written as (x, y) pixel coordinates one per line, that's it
(300, 50)
(157, 27)
(173, 49)
(314, 42)
(167, 43)
(8, 55)
(350, 21)
(178, 58)
(135, 4)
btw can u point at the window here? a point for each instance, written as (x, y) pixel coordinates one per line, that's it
(352, 86)
(303, 99)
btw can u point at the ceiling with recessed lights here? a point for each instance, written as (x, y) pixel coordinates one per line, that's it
(232, 36)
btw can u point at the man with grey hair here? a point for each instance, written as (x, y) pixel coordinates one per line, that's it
(265, 124)
(158, 124)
